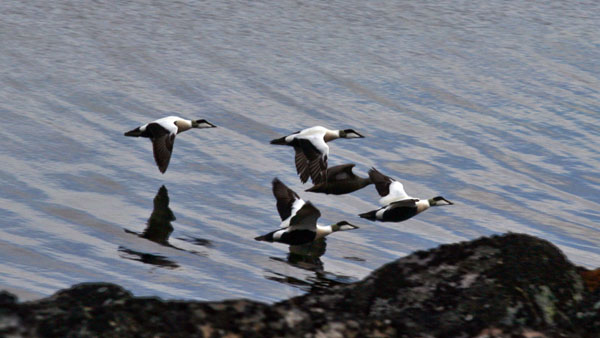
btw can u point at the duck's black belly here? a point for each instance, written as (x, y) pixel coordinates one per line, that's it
(298, 237)
(399, 214)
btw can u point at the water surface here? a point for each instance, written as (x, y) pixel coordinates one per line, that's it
(492, 105)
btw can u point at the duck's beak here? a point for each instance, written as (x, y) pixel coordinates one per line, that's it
(348, 226)
(204, 124)
(449, 203)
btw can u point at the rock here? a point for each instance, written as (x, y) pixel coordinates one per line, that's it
(9, 319)
(591, 278)
(7, 299)
(502, 286)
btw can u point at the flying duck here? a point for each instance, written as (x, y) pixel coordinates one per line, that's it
(162, 134)
(298, 219)
(341, 180)
(312, 150)
(397, 205)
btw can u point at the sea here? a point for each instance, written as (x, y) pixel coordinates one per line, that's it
(494, 105)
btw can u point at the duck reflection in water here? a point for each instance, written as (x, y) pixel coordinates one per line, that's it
(158, 230)
(308, 257)
(159, 224)
(147, 258)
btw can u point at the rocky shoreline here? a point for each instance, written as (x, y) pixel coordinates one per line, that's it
(512, 285)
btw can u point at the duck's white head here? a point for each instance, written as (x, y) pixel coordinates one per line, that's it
(350, 133)
(438, 200)
(342, 226)
(202, 124)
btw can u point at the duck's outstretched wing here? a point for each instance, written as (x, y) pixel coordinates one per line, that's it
(162, 145)
(302, 164)
(389, 189)
(315, 150)
(407, 203)
(381, 181)
(340, 172)
(288, 202)
(305, 218)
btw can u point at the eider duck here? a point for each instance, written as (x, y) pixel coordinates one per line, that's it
(298, 219)
(341, 180)
(398, 206)
(162, 134)
(312, 150)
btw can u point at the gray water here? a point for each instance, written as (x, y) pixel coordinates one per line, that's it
(492, 104)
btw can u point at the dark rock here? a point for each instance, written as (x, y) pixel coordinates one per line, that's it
(9, 319)
(591, 278)
(7, 299)
(502, 286)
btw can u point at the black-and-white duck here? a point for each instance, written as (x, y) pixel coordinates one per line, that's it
(341, 180)
(298, 219)
(397, 205)
(162, 134)
(312, 150)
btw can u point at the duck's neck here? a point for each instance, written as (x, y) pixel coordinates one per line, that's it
(363, 182)
(183, 125)
(331, 135)
(422, 205)
(323, 230)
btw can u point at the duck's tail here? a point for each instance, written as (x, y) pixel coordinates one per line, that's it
(317, 188)
(265, 238)
(135, 132)
(280, 140)
(371, 215)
